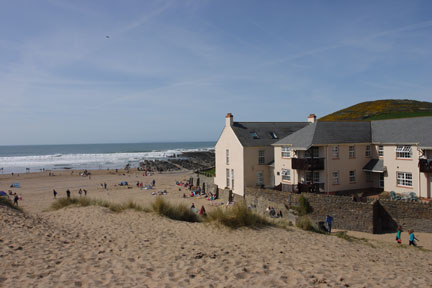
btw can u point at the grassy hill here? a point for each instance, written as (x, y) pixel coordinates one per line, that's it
(380, 110)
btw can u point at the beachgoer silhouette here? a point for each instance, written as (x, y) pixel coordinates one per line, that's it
(16, 199)
(68, 193)
(55, 193)
(329, 220)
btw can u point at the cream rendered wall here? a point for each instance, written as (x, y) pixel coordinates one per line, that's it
(228, 140)
(283, 163)
(402, 165)
(344, 164)
(251, 166)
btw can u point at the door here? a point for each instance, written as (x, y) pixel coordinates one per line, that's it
(260, 178)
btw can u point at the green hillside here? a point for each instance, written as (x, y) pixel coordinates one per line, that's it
(380, 110)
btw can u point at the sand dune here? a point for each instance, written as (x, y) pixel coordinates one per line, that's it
(94, 247)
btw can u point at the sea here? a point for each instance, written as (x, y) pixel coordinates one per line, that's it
(36, 158)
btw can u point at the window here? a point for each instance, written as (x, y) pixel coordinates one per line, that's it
(381, 151)
(403, 152)
(254, 135)
(312, 152)
(261, 158)
(286, 152)
(352, 176)
(260, 178)
(315, 177)
(227, 178)
(335, 176)
(335, 151)
(368, 151)
(352, 153)
(273, 135)
(232, 178)
(286, 175)
(404, 179)
(227, 156)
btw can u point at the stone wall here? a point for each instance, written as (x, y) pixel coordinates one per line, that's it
(371, 216)
(346, 214)
(417, 216)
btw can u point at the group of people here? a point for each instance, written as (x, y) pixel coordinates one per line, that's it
(412, 238)
(201, 212)
(272, 212)
(68, 193)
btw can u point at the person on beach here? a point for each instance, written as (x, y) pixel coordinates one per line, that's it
(154, 182)
(202, 211)
(16, 199)
(85, 192)
(398, 235)
(329, 220)
(68, 193)
(412, 238)
(80, 192)
(55, 193)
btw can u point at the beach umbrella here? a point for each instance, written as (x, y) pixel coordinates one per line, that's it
(2, 193)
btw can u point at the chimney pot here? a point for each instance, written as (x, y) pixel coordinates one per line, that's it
(229, 119)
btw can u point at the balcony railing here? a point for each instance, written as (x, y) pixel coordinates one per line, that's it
(425, 165)
(298, 188)
(307, 163)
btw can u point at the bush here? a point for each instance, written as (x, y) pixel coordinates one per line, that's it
(305, 223)
(237, 216)
(4, 201)
(84, 202)
(304, 205)
(178, 212)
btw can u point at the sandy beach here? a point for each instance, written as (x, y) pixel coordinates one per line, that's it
(94, 247)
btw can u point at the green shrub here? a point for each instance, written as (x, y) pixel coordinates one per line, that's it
(176, 212)
(305, 223)
(237, 216)
(304, 205)
(84, 202)
(4, 201)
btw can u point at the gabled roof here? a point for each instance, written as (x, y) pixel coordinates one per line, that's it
(403, 131)
(266, 132)
(322, 133)
(396, 131)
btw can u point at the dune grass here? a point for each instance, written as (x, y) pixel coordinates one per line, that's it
(4, 201)
(84, 202)
(305, 223)
(238, 216)
(176, 212)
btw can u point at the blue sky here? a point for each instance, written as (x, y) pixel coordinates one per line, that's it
(171, 70)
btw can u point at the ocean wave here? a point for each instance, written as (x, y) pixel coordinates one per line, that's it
(86, 161)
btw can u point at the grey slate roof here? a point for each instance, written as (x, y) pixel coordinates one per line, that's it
(397, 131)
(403, 131)
(263, 129)
(322, 133)
(375, 165)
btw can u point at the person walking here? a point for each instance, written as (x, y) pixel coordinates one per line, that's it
(55, 193)
(329, 220)
(68, 193)
(16, 199)
(412, 238)
(398, 235)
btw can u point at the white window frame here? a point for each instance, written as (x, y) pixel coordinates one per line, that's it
(261, 157)
(335, 152)
(335, 176)
(286, 175)
(368, 151)
(404, 179)
(232, 179)
(380, 150)
(352, 151)
(227, 156)
(315, 175)
(227, 177)
(403, 152)
(286, 152)
(352, 176)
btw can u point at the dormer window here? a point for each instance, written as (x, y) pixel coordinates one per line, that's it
(273, 135)
(254, 135)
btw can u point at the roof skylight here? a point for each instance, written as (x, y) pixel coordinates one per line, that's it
(254, 135)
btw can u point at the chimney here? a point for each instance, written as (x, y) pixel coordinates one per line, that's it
(229, 120)
(312, 118)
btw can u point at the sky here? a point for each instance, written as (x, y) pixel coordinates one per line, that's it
(148, 71)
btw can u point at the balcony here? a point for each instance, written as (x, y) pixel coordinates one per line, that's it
(307, 163)
(425, 165)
